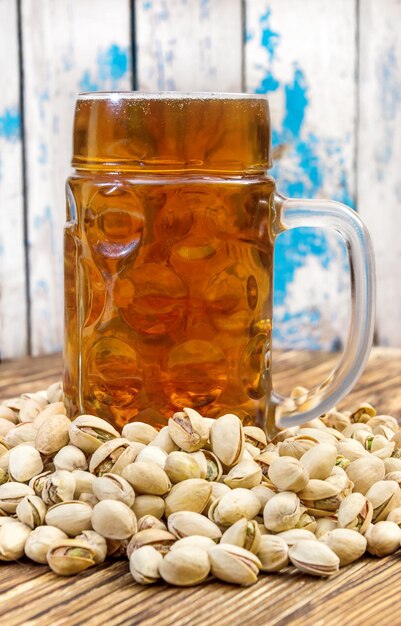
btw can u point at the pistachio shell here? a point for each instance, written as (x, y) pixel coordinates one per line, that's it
(150, 521)
(324, 525)
(113, 487)
(384, 495)
(22, 433)
(53, 434)
(106, 457)
(161, 540)
(185, 567)
(148, 505)
(180, 466)
(186, 523)
(97, 542)
(70, 556)
(245, 474)
(164, 441)
(244, 533)
(144, 565)
(383, 538)
(193, 541)
(272, 553)
(11, 495)
(234, 564)
(147, 478)
(351, 449)
(139, 431)
(288, 474)
(190, 495)
(227, 439)
(355, 512)
(282, 512)
(296, 534)
(188, 430)
(31, 511)
(54, 392)
(364, 472)
(152, 454)
(314, 557)
(24, 463)
(264, 494)
(346, 544)
(233, 506)
(255, 436)
(71, 517)
(320, 460)
(40, 540)
(70, 458)
(88, 432)
(58, 487)
(114, 520)
(12, 541)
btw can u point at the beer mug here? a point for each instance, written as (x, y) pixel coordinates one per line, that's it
(172, 218)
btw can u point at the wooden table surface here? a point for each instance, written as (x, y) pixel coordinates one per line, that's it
(368, 592)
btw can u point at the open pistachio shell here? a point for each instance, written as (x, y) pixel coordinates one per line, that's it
(188, 430)
(185, 567)
(186, 523)
(272, 553)
(288, 474)
(113, 487)
(314, 557)
(244, 533)
(282, 512)
(144, 565)
(161, 540)
(88, 432)
(234, 564)
(40, 540)
(113, 520)
(227, 439)
(70, 556)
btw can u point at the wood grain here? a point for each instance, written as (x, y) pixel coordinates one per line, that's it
(304, 58)
(193, 45)
(363, 594)
(68, 47)
(13, 312)
(379, 153)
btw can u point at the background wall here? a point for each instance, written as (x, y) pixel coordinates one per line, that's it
(333, 74)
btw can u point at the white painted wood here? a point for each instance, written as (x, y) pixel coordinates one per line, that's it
(69, 47)
(303, 55)
(379, 154)
(193, 45)
(13, 320)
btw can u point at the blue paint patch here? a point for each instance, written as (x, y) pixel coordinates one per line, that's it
(43, 98)
(112, 66)
(296, 101)
(204, 9)
(387, 72)
(10, 124)
(147, 5)
(42, 158)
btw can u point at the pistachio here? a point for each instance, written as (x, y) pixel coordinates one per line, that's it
(31, 511)
(193, 541)
(394, 476)
(8, 414)
(161, 540)
(337, 420)
(24, 463)
(392, 465)
(190, 495)
(395, 516)
(324, 525)
(38, 482)
(89, 498)
(320, 460)
(296, 446)
(144, 565)
(40, 540)
(351, 449)
(22, 433)
(148, 505)
(233, 564)
(180, 466)
(264, 494)
(385, 495)
(29, 410)
(346, 544)
(250, 451)
(71, 517)
(209, 465)
(272, 553)
(364, 472)
(114, 520)
(54, 392)
(282, 512)
(255, 436)
(185, 523)
(113, 456)
(288, 474)
(227, 439)
(296, 534)
(12, 541)
(70, 458)
(245, 474)
(113, 487)
(385, 420)
(83, 482)
(11, 495)
(58, 487)
(147, 478)
(355, 512)
(383, 538)
(363, 413)
(5, 427)
(234, 505)
(152, 454)
(150, 521)
(52, 435)
(88, 433)
(70, 556)
(244, 533)
(264, 461)
(139, 431)
(97, 542)
(188, 430)
(314, 557)
(185, 567)
(164, 441)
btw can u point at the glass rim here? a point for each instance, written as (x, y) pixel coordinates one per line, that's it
(114, 96)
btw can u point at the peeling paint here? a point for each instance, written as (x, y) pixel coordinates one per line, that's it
(112, 66)
(10, 124)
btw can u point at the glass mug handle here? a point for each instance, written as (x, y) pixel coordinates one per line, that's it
(290, 213)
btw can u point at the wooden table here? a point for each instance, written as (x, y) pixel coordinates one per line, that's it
(368, 592)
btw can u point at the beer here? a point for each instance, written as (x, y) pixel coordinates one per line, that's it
(168, 258)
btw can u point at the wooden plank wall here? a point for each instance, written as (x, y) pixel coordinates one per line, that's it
(332, 73)
(13, 301)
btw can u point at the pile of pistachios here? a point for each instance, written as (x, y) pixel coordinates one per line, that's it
(199, 498)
